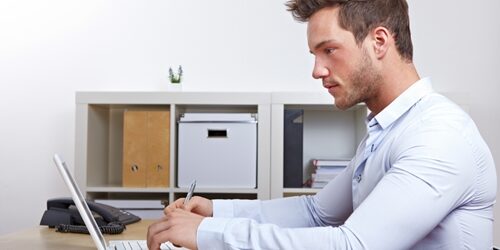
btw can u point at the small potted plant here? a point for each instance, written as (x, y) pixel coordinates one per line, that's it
(175, 78)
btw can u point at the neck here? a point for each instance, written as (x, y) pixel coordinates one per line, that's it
(395, 80)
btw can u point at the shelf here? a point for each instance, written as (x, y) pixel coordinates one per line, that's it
(218, 190)
(288, 192)
(303, 98)
(301, 190)
(117, 189)
(165, 97)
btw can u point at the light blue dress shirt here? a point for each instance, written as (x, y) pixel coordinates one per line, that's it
(422, 178)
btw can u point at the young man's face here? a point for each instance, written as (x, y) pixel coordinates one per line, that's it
(345, 68)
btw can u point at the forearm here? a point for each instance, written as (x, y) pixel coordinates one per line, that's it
(330, 207)
(286, 212)
(242, 233)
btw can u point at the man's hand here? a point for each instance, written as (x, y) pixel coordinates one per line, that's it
(197, 205)
(178, 226)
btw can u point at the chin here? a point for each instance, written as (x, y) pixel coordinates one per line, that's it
(343, 105)
(340, 106)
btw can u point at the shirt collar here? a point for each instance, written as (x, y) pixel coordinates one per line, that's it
(402, 103)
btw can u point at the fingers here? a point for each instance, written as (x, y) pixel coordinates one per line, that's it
(179, 203)
(179, 227)
(200, 205)
(197, 205)
(155, 241)
(192, 203)
(155, 229)
(171, 207)
(163, 223)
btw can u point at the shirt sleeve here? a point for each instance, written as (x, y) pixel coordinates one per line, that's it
(243, 233)
(330, 206)
(430, 176)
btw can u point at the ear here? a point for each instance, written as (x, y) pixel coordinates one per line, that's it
(382, 40)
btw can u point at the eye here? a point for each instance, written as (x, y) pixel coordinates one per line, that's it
(329, 51)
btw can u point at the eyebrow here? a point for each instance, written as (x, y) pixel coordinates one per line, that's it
(322, 43)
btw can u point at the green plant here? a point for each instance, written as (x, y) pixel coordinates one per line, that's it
(175, 78)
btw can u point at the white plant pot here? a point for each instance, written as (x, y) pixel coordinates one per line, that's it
(174, 87)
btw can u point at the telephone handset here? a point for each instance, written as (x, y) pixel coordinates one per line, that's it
(63, 214)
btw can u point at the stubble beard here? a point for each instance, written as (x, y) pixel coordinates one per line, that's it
(362, 84)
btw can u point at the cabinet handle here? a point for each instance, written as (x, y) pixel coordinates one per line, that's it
(159, 168)
(134, 168)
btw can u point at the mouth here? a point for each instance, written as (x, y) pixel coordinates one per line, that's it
(331, 86)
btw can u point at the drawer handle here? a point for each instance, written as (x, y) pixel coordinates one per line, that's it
(217, 133)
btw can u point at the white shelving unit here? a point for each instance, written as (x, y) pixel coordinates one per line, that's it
(99, 138)
(99, 143)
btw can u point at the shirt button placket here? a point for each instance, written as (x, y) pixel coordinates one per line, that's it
(358, 178)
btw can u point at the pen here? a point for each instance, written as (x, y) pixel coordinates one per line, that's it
(190, 192)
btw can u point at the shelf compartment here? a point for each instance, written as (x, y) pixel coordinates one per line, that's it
(105, 142)
(328, 133)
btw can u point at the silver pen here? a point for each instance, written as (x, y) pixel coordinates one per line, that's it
(190, 192)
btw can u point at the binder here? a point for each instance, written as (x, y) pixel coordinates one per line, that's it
(146, 148)
(158, 171)
(293, 148)
(134, 148)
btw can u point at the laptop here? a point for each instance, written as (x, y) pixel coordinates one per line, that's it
(89, 220)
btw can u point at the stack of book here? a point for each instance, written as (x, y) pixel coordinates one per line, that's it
(326, 170)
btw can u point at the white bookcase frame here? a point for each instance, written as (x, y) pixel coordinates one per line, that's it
(99, 128)
(98, 146)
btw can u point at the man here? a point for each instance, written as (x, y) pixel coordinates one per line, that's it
(422, 178)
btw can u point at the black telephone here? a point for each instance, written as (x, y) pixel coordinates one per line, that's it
(63, 214)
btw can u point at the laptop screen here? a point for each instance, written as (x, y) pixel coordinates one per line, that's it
(81, 204)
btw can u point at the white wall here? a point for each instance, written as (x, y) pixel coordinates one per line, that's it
(50, 49)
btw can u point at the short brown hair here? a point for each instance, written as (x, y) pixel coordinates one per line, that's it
(361, 16)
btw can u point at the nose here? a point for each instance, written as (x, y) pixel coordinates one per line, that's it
(319, 70)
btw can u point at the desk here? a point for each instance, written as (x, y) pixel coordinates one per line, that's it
(43, 238)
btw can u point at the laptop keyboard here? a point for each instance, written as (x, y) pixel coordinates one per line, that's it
(137, 245)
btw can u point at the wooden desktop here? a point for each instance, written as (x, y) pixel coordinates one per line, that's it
(42, 237)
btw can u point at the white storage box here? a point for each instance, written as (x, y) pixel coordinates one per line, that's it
(218, 150)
